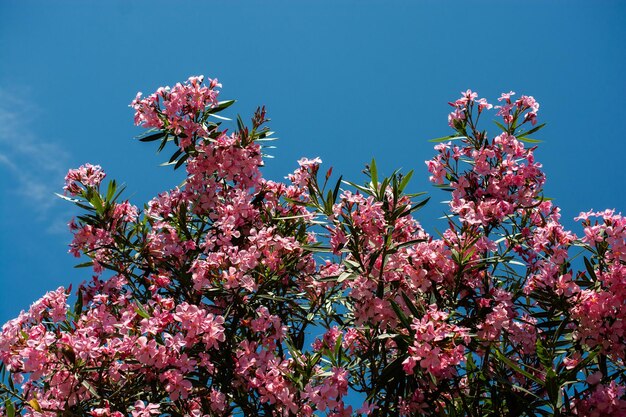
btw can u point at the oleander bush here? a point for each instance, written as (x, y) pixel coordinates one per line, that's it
(236, 295)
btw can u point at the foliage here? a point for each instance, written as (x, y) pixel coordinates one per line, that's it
(206, 302)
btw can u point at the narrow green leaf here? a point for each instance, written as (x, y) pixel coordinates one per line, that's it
(316, 248)
(401, 316)
(447, 138)
(181, 161)
(544, 355)
(78, 306)
(336, 189)
(344, 276)
(529, 140)
(374, 174)
(139, 309)
(416, 207)
(405, 181)
(221, 117)
(516, 368)
(153, 137)
(411, 306)
(10, 408)
(501, 126)
(589, 267)
(175, 155)
(221, 106)
(163, 142)
(111, 190)
(410, 243)
(355, 266)
(96, 202)
(531, 131)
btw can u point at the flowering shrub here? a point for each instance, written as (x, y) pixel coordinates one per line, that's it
(236, 295)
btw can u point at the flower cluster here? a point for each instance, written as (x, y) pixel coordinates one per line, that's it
(180, 110)
(234, 294)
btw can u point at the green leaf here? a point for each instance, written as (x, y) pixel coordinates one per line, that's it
(181, 161)
(175, 155)
(240, 124)
(336, 189)
(516, 368)
(359, 187)
(501, 126)
(96, 202)
(543, 354)
(316, 248)
(139, 309)
(374, 174)
(111, 190)
(411, 306)
(344, 276)
(410, 243)
(529, 140)
(221, 106)
(162, 145)
(447, 138)
(589, 267)
(78, 306)
(405, 181)
(64, 197)
(401, 316)
(10, 408)
(153, 137)
(415, 207)
(552, 386)
(354, 265)
(90, 388)
(531, 131)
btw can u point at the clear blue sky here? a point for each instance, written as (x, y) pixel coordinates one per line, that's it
(343, 80)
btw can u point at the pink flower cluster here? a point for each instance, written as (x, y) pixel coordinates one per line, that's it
(214, 290)
(178, 110)
(438, 347)
(504, 178)
(603, 401)
(191, 274)
(511, 110)
(599, 308)
(86, 175)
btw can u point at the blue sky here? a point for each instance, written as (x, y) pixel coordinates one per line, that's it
(343, 80)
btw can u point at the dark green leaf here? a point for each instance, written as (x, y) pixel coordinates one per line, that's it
(221, 106)
(78, 306)
(336, 190)
(511, 364)
(153, 137)
(531, 131)
(181, 161)
(589, 267)
(401, 316)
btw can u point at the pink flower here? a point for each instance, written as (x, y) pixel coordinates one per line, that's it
(142, 409)
(86, 175)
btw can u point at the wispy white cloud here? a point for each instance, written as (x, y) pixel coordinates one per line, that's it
(35, 164)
